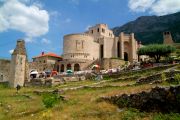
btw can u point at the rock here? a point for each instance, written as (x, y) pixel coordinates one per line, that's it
(159, 99)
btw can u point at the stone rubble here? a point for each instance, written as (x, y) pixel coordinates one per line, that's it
(159, 99)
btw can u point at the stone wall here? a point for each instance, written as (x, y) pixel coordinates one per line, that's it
(159, 99)
(128, 73)
(157, 77)
(108, 63)
(4, 70)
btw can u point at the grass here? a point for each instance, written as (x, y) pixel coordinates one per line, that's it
(80, 104)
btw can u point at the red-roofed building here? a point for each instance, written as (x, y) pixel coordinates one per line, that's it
(45, 62)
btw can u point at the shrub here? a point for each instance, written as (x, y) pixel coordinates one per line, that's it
(4, 85)
(163, 77)
(132, 114)
(49, 100)
(177, 77)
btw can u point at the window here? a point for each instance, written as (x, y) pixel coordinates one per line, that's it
(92, 31)
(103, 30)
(82, 44)
(98, 30)
(1, 78)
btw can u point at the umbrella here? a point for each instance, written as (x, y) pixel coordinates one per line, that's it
(54, 73)
(34, 72)
(69, 71)
(95, 66)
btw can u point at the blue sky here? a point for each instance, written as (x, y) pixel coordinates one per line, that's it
(43, 23)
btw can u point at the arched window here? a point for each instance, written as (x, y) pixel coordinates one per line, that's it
(68, 66)
(62, 68)
(76, 67)
(118, 49)
(125, 56)
(57, 68)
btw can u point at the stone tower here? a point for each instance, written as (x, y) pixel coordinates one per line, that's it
(18, 64)
(167, 38)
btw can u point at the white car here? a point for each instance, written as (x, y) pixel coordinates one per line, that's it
(112, 70)
(34, 74)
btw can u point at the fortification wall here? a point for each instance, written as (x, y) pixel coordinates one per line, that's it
(4, 70)
(108, 63)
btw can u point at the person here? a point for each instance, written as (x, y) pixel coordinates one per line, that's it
(18, 87)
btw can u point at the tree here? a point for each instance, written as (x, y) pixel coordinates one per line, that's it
(156, 51)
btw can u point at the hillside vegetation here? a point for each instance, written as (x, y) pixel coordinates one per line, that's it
(149, 29)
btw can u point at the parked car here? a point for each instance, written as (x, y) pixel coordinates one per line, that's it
(34, 74)
(112, 70)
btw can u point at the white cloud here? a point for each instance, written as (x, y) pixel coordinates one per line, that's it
(87, 27)
(68, 20)
(76, 2)
(38, 4)
(163, 7)
(29, 40)
(45, 41)
(11, 51)
(55, 13)
(157, 7)
(140, 5)
(31, 20)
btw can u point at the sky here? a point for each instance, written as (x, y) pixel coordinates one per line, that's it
(43, 23)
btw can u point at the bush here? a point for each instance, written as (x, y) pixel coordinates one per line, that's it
(163, 77)
(132, 114)
(4, 85)
(49, 100)
(177, 77)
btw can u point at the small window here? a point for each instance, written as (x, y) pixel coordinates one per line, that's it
(98, 30)
(92, 31)
(103, 30)
(1, 78)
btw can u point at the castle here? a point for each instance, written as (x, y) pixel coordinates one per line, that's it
(83, 49)
(80, 52)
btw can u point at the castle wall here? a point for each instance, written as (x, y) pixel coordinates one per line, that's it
(111, 63)
(4, 70)
(108, 47)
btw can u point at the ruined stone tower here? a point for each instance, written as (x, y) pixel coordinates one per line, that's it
(18, 64)
(167, 38)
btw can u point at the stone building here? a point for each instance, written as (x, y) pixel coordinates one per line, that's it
(45, 62)
(82, 50)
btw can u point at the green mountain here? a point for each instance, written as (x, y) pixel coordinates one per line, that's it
(149, 29)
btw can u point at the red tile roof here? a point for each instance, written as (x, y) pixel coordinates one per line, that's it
(48, 54)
